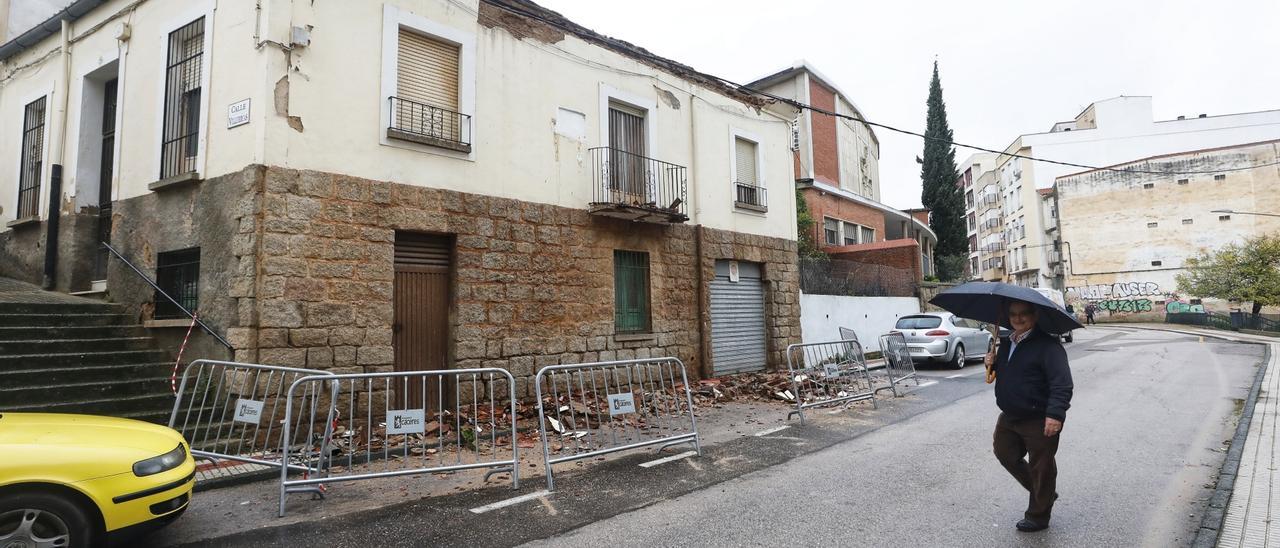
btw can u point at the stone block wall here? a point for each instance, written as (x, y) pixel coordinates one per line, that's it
(533, 283)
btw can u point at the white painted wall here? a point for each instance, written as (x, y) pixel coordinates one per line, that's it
(336, 89)
(821, 316)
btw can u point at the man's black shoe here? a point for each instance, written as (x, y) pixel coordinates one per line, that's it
(1029, 526)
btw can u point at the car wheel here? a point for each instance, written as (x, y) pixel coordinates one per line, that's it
(43, 519)
(1069, 338)
(957, 357)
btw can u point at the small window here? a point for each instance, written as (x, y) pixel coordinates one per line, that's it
(1224, 217)
(868, 235)
(1187, 221)
(631, 291)
(31, 160)
(1194, 301)
(744, 154)
(831, 230)
(1148, 185)
(850, 234)
(1219, 177)
(1183, 181)
(1152, 225)
(178, 275)
(1156, 263)
(425, 108)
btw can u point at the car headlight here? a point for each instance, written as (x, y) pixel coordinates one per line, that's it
(162, 463)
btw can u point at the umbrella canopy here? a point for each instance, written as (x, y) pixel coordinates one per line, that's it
(986, 302)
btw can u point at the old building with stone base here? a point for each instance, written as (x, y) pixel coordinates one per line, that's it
(398, 185)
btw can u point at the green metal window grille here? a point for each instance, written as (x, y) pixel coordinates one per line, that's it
(177, 274)
(631, 291)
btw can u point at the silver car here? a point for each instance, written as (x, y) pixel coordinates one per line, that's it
(941, 336)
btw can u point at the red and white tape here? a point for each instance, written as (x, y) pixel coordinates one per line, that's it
(173, 376)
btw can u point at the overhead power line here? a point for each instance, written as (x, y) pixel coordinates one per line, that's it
(805, 106)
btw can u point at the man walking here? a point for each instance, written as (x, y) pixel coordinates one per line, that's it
(1089, 310)
(1033, 391)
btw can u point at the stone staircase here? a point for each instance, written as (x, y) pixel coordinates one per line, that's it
(64, 354)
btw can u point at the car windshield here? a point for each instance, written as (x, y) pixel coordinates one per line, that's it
(919, 322)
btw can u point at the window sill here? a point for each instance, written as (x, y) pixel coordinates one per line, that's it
(25, 221)
(176, 322)
(175, 181)
(635, 337)
(393, 133)
(751, 207)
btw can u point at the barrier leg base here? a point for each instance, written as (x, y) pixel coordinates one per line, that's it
(681, 442)
(796, 412)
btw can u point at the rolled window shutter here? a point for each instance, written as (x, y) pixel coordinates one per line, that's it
(745, 156)
(428, 71)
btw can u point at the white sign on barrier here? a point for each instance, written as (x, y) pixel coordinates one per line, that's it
(406, 421)
(248, 411)
(621, 404)
(832, 369)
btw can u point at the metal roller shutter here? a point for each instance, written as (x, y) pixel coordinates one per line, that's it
(427, 71)
(744, 153)
(737, 320)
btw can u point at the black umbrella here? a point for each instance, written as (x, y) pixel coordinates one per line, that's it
(986, 302)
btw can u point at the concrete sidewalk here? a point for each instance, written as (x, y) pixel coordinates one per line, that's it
(1253, 497)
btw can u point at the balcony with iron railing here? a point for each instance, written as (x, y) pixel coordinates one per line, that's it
(429, 125)
(637, 188)
(749, 196)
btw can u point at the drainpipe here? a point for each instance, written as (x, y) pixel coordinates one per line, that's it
(57, 153)
(704, 324)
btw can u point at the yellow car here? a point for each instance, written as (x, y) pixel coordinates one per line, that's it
(81, 480)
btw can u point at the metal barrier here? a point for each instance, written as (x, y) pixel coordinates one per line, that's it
(378, 425)
(230, 411)
(605, 407)
(898, 365)
(828, 373)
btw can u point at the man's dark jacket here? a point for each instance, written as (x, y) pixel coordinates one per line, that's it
(1037, 383)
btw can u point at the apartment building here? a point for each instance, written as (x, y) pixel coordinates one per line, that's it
(408, 184)
(836, 166)
(1108, 132)
(1128, 235)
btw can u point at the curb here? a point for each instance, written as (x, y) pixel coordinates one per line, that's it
(1216, 512)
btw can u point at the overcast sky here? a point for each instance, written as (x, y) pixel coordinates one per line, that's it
(1008, 67)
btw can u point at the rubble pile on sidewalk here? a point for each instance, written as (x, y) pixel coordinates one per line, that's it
(769, 386)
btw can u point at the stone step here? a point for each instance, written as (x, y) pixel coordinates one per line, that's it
(45, 346)
(18, 362)
(64, 320)
(72, 332)
(58, 393)
(149, 405)
(61, 308)
(55, 375)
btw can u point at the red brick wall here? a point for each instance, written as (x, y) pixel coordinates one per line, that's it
(905, 256)
(822, 205)
(826, 153)
(922, 216)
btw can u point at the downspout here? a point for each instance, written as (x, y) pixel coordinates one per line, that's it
(57, 152)
(704, 355)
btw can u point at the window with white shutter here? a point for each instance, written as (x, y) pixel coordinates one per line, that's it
(748, 192)
(425, 107)
(745, 158)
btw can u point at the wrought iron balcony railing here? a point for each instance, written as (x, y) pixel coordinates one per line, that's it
(750, 196)
(429, 125)
(634, 187)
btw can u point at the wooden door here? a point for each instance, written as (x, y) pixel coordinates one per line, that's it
(420, 328)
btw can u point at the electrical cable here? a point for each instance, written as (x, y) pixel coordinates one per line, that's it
(804, 106)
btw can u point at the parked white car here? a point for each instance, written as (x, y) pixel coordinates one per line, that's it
(941, 336)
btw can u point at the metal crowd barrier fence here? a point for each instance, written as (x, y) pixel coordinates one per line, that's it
(235, 415)
(605, 407)
(898, 365)
(828, 373)
(378, 425)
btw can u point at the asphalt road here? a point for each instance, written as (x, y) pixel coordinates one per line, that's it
(1142, 446)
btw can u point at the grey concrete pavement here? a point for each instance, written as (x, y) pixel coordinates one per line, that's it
(1140, 453)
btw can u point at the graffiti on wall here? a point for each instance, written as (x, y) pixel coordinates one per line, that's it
(1130, 297)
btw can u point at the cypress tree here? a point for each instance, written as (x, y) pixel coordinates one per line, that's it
(939, 193)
